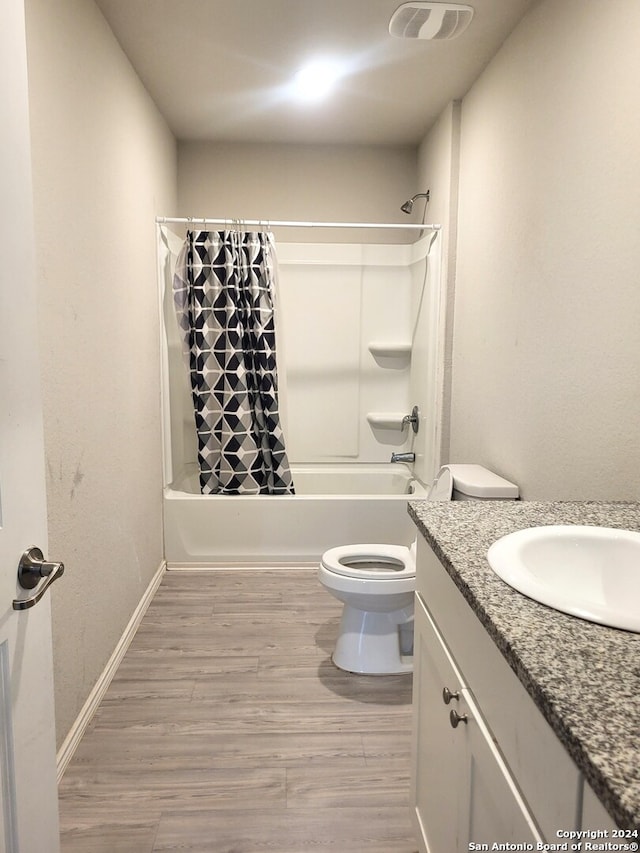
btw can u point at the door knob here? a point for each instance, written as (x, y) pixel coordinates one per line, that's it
(32, 568)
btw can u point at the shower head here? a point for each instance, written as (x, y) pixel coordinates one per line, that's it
(407, 207)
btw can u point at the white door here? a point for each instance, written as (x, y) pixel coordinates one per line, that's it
(28, 793)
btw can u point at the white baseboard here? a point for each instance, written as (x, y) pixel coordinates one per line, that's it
(239, 565)
(70, 743)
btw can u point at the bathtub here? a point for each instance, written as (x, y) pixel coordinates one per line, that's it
(333, 505)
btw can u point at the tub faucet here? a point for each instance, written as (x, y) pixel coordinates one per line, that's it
(403, 457)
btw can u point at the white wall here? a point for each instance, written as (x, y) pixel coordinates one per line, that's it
(302, 182)
(547, 304)
(104, 166)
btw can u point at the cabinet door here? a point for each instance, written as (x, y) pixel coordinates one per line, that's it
(594, 814)
(494, 810)
(463, 792)
(438, 749)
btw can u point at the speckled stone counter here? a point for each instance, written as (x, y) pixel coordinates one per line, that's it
(584, 678)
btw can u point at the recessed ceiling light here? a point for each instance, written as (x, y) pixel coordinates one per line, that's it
(316, 79)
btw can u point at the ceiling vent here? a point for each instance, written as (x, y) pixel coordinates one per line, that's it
(421, 20)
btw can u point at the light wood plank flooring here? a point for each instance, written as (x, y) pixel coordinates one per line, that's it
(228, 729)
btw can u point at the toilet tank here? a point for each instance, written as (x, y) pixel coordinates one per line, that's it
(475, 483)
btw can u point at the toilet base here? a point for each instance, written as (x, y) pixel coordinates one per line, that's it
(372, 643)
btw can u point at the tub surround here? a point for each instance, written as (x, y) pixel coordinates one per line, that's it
(345, 381)
(583, 677)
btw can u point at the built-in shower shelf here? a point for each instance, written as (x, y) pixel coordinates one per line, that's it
(392, 354)
(386, 420)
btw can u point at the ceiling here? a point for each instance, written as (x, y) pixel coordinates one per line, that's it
(220, 69)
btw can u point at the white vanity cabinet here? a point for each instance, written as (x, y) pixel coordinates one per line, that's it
(500, 775)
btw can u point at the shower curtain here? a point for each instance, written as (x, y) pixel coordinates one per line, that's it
(224, 295)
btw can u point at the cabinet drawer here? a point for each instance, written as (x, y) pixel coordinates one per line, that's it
(546, 774)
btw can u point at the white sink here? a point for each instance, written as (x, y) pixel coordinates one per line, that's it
(590, 572)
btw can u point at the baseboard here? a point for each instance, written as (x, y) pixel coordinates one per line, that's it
(239, 565)
(70, 743)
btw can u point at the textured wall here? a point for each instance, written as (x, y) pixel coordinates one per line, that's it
(302, 182)
(104, 166)
(546, 355)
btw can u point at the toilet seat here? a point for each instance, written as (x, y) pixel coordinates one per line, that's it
(370, 562)
(442, 487)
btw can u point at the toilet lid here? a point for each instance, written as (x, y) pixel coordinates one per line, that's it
(442, 487)
(370, 561)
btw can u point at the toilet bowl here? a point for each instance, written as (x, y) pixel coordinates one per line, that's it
(376, 582)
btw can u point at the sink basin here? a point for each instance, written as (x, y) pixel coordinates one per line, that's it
(589, 572)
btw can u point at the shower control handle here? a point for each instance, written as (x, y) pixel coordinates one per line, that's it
(413, 419)
(33, 568)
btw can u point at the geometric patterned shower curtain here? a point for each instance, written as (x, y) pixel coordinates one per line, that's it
(224, 296)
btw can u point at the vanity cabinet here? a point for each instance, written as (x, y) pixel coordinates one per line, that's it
(487, 767)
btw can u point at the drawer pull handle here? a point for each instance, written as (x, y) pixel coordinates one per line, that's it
(447, 695)
(455, 719)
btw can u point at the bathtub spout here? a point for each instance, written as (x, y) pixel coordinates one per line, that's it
(403, 457)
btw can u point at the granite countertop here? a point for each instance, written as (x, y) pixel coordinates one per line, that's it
(584, 677)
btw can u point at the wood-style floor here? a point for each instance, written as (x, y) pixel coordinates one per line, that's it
(227, 729)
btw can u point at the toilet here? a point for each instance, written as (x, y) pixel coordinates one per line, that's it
(376, 582)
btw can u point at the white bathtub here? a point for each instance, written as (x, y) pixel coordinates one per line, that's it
(333, 505)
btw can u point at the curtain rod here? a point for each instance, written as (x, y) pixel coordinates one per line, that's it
(272, 223)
